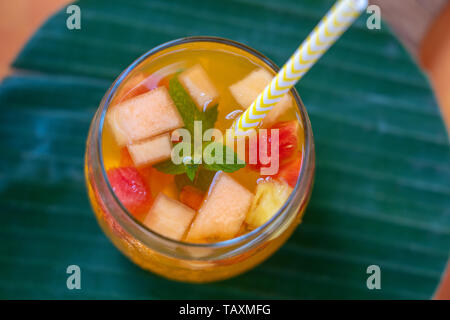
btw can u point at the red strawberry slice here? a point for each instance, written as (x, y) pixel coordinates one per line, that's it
(165, 81)
(290, 170)
(131, 189)
(287, 139)
(132, 88)
(140, 84)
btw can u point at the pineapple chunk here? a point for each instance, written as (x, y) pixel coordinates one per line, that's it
(151, 151)
(200, 88)
(270, 197)
(247, 90)
(144, 116)
(223, 212)
(169, 217)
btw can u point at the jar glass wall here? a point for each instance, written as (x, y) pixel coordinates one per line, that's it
(192, 262)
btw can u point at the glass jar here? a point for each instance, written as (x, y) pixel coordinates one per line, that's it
(192, 262)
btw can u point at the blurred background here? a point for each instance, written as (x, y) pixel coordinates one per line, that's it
(382, 192)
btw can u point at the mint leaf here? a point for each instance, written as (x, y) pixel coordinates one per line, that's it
(222, 162)
(191, 170)
(210, 117)
(188, 109)
(202, 180)
(190, 113)
(224, 167)
(184, 103)
(170, 168)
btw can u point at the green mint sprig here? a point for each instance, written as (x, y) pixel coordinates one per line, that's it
(190, 113)
(188, 109)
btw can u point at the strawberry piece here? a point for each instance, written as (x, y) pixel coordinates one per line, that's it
(164, 81)
(131, 189)
(132, 87)
(136, 91)
(287, 139)
(289, 171)
(140, 84)
(192, 197)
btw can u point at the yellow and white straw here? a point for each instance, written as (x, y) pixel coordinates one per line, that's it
(330, 28)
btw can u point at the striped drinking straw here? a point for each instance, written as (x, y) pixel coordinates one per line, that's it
(330, 28)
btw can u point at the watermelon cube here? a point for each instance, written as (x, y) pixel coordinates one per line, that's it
(199, 86)
(169, 217)
(151, 151)
(222, 213)
(247, 90)
(144, 116)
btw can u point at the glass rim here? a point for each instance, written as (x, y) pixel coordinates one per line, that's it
(306, 154)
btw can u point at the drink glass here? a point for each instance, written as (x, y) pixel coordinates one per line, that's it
(192, 262)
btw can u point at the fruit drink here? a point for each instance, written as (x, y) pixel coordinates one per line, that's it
(173, 171)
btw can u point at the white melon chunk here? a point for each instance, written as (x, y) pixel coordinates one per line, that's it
(247, 90)
(223, 211)
(199, 86)
(151, 151)
(169, 217)
(144, 116)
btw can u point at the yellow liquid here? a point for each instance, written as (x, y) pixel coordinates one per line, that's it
(224, 67)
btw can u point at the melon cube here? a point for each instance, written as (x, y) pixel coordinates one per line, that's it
(151, 151)
(197, 83)
(223, 212)
(247, 90)
(169, 217)
(144, 116)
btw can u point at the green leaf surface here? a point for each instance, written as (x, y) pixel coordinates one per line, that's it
(188, 109)
(202, 180)
(382, 188)
(170, 168)
(228, 161)
(191, 170)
